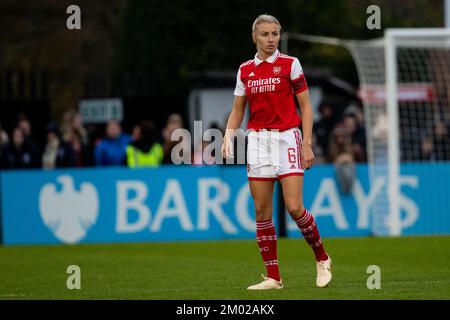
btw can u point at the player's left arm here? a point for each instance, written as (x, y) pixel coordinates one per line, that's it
(307, 125)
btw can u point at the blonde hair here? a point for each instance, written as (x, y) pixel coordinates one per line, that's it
(265, 18)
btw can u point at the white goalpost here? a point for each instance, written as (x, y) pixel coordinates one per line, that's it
(422, 45)
(405, 88)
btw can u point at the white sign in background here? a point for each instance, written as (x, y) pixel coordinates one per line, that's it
(101, 110)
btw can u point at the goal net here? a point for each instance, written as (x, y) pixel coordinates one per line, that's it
(405, 89)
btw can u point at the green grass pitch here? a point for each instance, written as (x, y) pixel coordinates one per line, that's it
(411, 268)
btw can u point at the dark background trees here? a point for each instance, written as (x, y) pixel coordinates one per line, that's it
(142, 48)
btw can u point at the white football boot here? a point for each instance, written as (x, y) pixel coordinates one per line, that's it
(267, 284)
(323, 273)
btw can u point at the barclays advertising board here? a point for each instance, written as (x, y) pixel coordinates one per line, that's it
(195, 203)
(122, 205)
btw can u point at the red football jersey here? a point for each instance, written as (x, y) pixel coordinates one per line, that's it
(270, 87)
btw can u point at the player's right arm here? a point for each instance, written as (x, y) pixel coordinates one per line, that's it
(234, 122)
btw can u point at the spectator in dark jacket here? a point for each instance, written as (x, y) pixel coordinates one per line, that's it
(24, 124)
(326, 124)
(441, 141)
(174, 122)
(84, 156)
(57, 153)
(110, 151)
(357, 131)
(18, 154)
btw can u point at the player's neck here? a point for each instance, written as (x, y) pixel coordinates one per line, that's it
(263, 56)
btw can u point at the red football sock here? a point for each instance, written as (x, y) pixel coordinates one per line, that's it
(267, 242)
(308, 228)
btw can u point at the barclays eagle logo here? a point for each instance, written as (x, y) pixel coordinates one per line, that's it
(69, 213)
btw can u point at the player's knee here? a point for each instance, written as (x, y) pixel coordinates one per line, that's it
(294, 209)
(263, 212)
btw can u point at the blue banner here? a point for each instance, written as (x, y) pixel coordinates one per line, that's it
(337, 214)
(122, 205)
(174, 203)
(425, 201)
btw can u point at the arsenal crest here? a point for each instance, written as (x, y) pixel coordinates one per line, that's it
(276, 70)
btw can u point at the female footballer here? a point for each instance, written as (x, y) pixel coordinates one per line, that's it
(276, 149)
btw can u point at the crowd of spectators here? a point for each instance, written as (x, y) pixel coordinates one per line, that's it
(334, 134)
(435, 146)
(70, 144)
(338, 138)
(341, 139)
